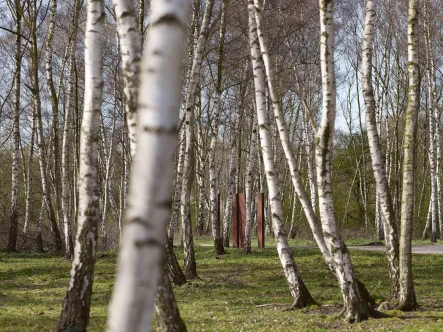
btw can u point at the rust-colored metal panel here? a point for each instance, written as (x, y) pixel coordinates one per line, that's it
(241, 219)
(261, 220)
(235, 221)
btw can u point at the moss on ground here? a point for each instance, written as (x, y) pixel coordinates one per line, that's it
(236, 292)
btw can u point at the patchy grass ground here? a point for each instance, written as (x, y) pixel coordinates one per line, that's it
(229, 295)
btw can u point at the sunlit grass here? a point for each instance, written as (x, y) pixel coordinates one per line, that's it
(227, 296)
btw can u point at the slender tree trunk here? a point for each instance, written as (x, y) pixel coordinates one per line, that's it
(407, 299)
(142, 248)
(431, 121)
(355, 308)
(29, 178)
(76, 306)
(166, 309)
(67, 136)
(378, 165)
(249, 183)
(13, 220)
(107, 191)
(55, 122)
(188, 176)
(298, 290)
(218, 244)
(39, 128)
(173, 225)
(130, 34)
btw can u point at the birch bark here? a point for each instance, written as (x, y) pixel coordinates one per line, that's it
(407, 299)
(149, 203)
(67, 137)
(130, 36)
(39, 126)
(218, 244)
(378, 164)
(355, 308)
(298, 290)
(76, 306)
(249, 183)
(188, 176)
(13, 220)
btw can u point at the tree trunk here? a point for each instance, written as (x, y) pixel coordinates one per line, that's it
(142, 248)
(298, 290)
(13, 220)
(249, 183)
(67, 136)
(378, 165)
(130, 35)
(166, 309)
(188, 174)
(39, 129)
(355, 308)
(407, 300)
(218, 244)
(76, 306)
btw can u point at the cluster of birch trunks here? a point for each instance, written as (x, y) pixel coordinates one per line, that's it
(128, 119)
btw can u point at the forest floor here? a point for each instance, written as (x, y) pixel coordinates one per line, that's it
(235, 292)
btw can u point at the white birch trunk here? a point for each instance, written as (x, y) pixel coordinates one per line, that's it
(67, 137)
(378, 165)
(13, 220)
(218, 244)
(188, 177)
(407, 299)
(298, 290)
(355, 308)
(249, 182)
(76, 307)
(142, 248)
(131, 51)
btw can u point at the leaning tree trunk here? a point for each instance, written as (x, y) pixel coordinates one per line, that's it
(188, 176)
(13, 220)
(218, 244)
(76, 306)
(407, 299)
(355, 308)
(284, 138)
(142, 248)
(298, 290)
(378, 165)
(39, 129)
(129, 32)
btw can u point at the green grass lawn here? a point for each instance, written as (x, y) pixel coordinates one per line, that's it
(32, 288)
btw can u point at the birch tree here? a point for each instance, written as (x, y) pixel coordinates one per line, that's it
(378, 165)
(188, 175)
(249, 183)
(130, 36)
(355, 308)
(37, 107)
(298, 290)
(67, 137)
(76, 306)
(407, 299)
(149, 202)
(13, 220)
(218, 244)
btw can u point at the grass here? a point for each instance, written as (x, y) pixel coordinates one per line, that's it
(227, 296)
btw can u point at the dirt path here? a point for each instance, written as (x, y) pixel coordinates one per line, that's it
(431, 249)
